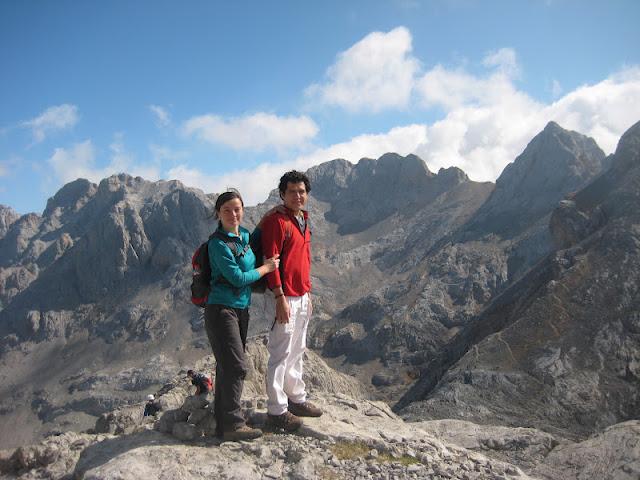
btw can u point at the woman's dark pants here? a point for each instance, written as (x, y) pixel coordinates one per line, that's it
(227, 331)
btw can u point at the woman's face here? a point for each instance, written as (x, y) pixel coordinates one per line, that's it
(230, 214)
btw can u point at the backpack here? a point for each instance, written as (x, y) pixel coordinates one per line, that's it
(203, 382)
(201, 278)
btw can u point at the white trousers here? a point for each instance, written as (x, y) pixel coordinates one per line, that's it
(287, 344)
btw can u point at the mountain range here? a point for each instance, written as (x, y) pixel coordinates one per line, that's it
(514, 303)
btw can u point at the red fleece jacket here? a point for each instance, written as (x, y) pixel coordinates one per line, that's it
(281, 234)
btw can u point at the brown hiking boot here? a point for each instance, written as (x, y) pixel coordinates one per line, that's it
(306, 409)
(241, 433)
(287, 421)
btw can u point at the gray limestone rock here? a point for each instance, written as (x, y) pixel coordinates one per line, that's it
(7, 217)
(195, 402)
(556, 162)
(615, 454)
(403, 288)
(185, 431)
(169, 418)
(559, 349)
(120, 421)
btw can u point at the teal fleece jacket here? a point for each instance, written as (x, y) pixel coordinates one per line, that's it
(240, 272)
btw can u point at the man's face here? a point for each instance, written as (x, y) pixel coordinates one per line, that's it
(295, 196)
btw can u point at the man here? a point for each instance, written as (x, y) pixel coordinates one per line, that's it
(203, 383)
(151, 407)
(288, 234)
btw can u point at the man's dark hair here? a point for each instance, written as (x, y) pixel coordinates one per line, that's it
(293, 176)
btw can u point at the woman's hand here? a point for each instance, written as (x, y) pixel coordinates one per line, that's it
(272, 263)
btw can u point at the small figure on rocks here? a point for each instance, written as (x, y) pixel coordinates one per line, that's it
(151, 407)
(288, 303)
(203, 383)
(226, 314)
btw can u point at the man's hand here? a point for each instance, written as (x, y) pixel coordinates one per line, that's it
(282, 309)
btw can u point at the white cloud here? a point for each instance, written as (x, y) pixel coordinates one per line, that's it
(504, 61)
(451, 89)
(556, 88)
(255, 132)
(79, 161)
(76, 162)
(401, 140)
(255, 184)
(124, 161)
(10, 166)
(374, 74)
(487, 126)
(604, 110)
(161, 116)
(162, 153)
(192, 177)
(60, 117)
(489, 122)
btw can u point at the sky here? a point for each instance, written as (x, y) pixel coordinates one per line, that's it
(233, 94)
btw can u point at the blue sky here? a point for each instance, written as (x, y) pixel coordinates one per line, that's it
(220, 94)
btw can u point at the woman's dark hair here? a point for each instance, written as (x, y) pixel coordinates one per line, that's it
(293, 176)
(224, 198)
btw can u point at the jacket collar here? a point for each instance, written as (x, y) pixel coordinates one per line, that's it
(290, 213)
(229, 234)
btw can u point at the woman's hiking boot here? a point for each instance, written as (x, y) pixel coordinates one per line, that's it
(305, 409)
(241, 433)
(287, 422)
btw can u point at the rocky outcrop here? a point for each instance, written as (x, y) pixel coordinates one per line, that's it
(354, 438)
(559, 350)
(616, 452)
(556, 162)
(398, 184)
(7, 217)
(406, 264)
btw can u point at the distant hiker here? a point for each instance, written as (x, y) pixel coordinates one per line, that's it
(201, 381)
(227, 312)
(151, 407)
(288, 304)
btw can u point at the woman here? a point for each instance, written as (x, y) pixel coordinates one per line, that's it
(227, 312)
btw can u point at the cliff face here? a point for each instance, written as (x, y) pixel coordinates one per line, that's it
(560, 349)
(446, 260)
(556, 162)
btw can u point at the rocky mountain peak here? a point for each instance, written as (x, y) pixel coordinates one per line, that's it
(7, 216)
(555, 163)
(328, 178)
(121, 180)
(71, 196)
(452, 175)
(551, 153)
(406, 167)
(628, 149)
(394, 181)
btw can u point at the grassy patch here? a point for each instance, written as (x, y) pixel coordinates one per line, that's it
(325, 473)
(351, 450)
(405, 460)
